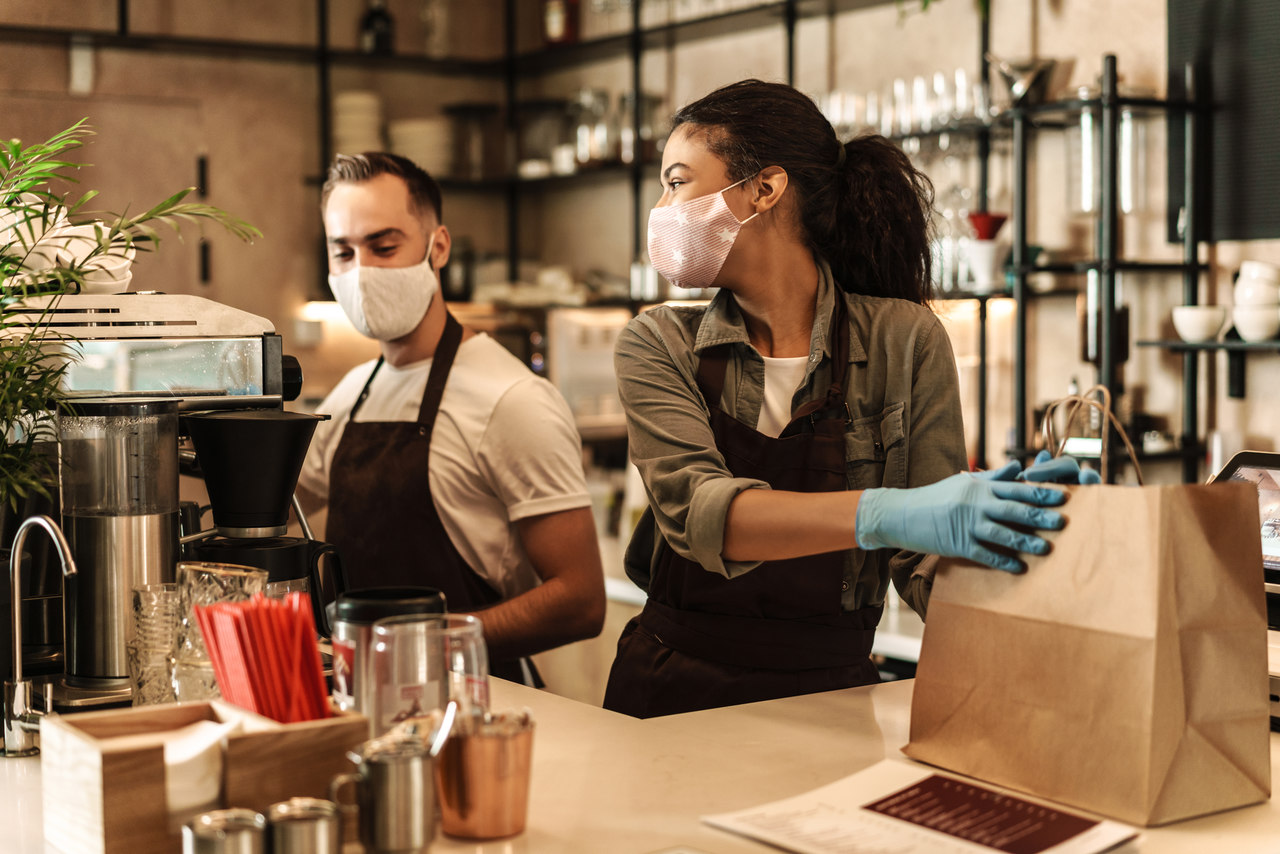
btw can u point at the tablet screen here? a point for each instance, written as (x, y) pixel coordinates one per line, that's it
(1268, 482)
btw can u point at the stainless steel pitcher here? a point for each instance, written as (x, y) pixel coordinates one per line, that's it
(119, 480)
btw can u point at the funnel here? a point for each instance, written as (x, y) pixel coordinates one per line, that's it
(250, 459)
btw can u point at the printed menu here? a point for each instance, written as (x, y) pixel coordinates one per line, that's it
(895, 807)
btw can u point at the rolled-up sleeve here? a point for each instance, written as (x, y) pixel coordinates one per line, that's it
(689, 485)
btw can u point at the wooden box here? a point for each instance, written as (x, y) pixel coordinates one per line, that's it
(103, 773)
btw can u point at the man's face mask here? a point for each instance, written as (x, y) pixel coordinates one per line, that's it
(386, 303)
(689, 242)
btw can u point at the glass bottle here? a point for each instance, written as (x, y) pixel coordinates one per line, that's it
(560, 21)
(377, 29)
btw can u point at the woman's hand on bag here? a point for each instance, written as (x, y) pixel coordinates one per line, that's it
(1046, 468)
(962, 516)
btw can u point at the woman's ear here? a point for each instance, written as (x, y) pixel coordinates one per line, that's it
(769, 186)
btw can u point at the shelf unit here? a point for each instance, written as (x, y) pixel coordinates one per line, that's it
(1235, 349)
(1108, 263)
(515, 65)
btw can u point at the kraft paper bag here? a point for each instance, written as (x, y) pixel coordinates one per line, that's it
(1124, 673)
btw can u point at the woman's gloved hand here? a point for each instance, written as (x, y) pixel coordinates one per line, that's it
(1049, 469)
(962, 516)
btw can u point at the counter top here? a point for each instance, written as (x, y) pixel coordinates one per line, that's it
(606, 782)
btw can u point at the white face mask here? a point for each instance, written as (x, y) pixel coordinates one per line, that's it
(386, 303)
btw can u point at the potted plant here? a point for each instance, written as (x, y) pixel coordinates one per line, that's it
(52, 245)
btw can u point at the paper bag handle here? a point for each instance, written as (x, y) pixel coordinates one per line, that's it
(1083, 401)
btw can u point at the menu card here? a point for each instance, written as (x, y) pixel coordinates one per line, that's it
(898, 808)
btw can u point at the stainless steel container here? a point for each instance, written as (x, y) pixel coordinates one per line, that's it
(232, 831)
(395, 795)
(304, 826)
(119, 481)
(352, 617)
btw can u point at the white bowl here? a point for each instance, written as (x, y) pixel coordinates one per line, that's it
(1198, 322)
(1259, 270)
(1256, 322)
(1254, 291)
(107, 286)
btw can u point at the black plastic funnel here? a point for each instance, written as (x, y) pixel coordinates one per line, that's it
(250, 459)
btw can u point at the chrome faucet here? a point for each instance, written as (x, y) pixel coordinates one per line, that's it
(21, 721)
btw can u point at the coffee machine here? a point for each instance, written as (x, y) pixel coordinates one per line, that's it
(139, 363)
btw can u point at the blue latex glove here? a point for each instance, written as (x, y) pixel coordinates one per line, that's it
(1048, 469)
(962, 516)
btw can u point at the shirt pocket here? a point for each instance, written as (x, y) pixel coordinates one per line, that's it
(876, 450)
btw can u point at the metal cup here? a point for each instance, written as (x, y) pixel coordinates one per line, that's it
(233, 831)
(395, 795)
(483, 776)
(304, 826)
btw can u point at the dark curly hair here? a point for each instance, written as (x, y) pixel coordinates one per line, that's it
(862, 206)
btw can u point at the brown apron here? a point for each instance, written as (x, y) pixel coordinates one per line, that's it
(382, 518)
(705, 641)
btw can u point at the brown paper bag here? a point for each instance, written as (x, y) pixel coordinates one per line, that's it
(1124, 673)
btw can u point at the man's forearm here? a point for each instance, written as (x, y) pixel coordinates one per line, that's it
(569, 604)
(547, 616)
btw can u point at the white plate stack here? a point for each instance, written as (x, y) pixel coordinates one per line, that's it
(427, 142)
(357, 122)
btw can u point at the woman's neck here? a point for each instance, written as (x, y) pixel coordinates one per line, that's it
(777, 302)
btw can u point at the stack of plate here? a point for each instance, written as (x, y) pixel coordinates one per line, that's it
(357, 122)
(427, 142)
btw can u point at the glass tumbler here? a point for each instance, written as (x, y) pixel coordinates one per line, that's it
(421, 662)
(205, 584)
(150, 649)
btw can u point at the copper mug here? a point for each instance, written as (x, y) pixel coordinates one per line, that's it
(482, 776)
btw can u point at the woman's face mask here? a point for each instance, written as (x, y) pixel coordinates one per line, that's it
(689, 242)
(386, 303)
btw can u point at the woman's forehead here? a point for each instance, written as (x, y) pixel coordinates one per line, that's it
(690, 145)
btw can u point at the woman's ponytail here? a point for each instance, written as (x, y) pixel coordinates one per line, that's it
(877, 236)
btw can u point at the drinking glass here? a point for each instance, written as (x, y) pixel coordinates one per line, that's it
(421, 662)
(205, 584)
(150, 649)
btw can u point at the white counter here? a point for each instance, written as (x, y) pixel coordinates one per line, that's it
(607, 783)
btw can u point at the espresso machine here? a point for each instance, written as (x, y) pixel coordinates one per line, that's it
(141, 365)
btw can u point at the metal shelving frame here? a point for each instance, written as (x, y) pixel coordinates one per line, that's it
(1108, 263)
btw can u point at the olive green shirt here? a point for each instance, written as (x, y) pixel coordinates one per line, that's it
(905, 430)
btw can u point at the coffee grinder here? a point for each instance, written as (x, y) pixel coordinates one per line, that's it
(250, 460)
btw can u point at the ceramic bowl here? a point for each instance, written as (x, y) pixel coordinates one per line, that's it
(1198, 322)
(1256, 292)
(107, 286)
(1256, 322)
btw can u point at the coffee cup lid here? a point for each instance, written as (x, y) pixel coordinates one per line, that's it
(374, 603)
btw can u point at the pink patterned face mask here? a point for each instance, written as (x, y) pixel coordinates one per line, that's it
(689, 242)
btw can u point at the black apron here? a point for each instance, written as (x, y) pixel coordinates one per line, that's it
(705, 641)
(382, 517)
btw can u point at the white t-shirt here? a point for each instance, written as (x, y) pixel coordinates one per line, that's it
(781, 379)
(504, 448)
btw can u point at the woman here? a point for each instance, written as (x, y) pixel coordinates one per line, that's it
(777, 429)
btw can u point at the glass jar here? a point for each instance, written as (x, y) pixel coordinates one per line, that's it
(594, 139)
(642, 141)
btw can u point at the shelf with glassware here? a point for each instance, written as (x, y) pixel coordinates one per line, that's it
(663, 24)
(1105, 349)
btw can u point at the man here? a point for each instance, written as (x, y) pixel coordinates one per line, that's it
(446, 462)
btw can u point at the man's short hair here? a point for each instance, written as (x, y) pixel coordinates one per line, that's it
(424, 192)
